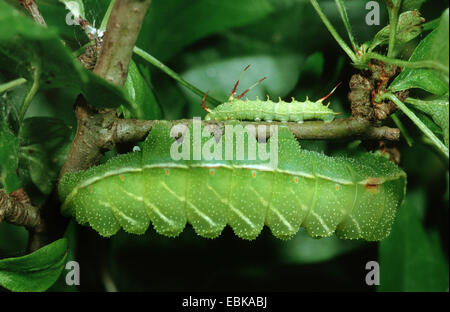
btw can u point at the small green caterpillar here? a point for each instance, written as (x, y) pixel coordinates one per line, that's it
(257, 110)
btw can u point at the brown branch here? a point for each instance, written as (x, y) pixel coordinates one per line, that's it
(16, 208)
(95, 134)
(134, 130)
(32, 8)
(121, 34)
(96, 130)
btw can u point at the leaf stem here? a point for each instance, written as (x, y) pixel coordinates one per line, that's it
(409, 140)
(333, 32)
(393, 21)
(408, 64)
(11, 84)
(431, 24)
(155, 62)
(107, 14)
(417, 121)
(81, 50)
(31, 92)
(341, 6)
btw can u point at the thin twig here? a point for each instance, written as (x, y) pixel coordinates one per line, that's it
(136, 130)
(341, 6)
(155, 62)
(82, 49)
(333, 32)
(441, 146)
(408, 64)
(107, 15)
(123, 29)
(32, 90)
(11, 84)
(32, 8)
(401, 127)
(431, 24)
(95, 134)
(393, 21)
(16, 208)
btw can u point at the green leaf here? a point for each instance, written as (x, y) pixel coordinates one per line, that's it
(142, 100)
(165, 32)
(72, 242)
(430, 124)
(44, 143)
(24, 44)
(435, 47)
(411, 259)
(408, 28)
(313, 67)
(438, 108)
(13, 240)
(36, 271)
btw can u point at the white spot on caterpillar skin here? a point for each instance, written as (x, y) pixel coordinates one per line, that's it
(136, 148)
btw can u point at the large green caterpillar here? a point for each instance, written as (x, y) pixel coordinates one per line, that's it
(237, 109)
(356, 198)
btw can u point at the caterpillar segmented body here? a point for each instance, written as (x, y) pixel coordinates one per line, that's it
(356, 198)
(271, 111)
(237, 109)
